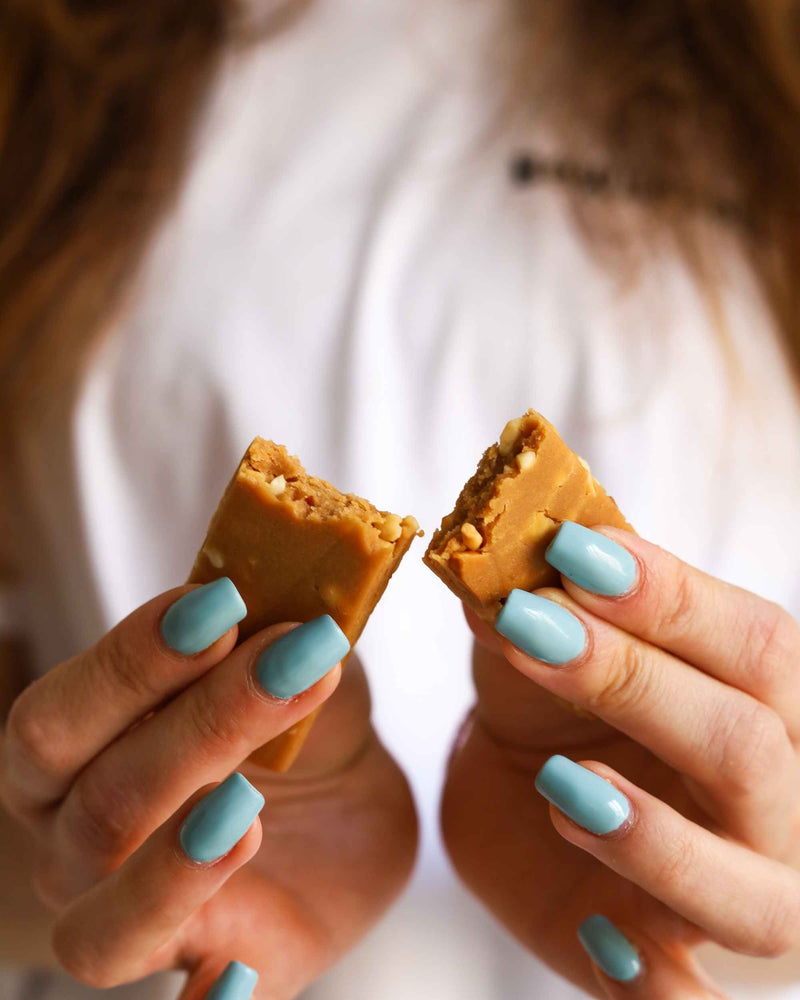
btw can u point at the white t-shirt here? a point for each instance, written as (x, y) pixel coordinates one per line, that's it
(351, 271)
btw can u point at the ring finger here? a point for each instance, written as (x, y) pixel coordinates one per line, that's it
(741, 899)
(630, 966)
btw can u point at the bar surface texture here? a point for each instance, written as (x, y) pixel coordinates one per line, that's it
(507, 514)
(296, 547)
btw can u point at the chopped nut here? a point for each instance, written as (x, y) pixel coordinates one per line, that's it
(507, 469)
(509, 436)
(471, 537)
(525, 460)
(391, 529)
(331, 595)
(585, 464)
(277, 486)
(214, 556)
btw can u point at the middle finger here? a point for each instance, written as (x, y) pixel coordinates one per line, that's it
(735, 749)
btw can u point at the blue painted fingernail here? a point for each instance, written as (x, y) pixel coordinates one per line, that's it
(298, 659)
(541, 628)
(220, 819)
(591, 560)
(200, 617)
(237, 982)
(588, 800)
(610, 949)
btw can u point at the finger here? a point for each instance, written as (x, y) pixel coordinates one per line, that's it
(521, 717)
(630, 965)
(109, 935)
(63, 720)
(734, 748)
(723, 630)
(741, 899)
(265, 686)
(237, 981)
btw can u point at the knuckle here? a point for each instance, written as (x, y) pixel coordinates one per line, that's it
(116, 660)
(97, 819)
(752, 743)
(31, 735)
(623, 685)
(217, 726)
(80, 957)
(48, 886)
(771, 645)
(678, 863)
(676, 610)
(779, 929)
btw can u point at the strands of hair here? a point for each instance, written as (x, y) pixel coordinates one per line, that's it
(689, 107)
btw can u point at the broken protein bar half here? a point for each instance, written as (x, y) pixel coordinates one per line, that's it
(295, 547)
(509, 512)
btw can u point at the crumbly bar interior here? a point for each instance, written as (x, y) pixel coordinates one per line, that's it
(466, 527)
(312, 498)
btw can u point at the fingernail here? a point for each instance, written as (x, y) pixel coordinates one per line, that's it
(200, 617)
(237, 982)
(610, 949)
(298, 659)
(591, 560)
(588, 800)
(219, 820)
(541, 628)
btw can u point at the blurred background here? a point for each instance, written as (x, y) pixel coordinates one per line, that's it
(378, 253)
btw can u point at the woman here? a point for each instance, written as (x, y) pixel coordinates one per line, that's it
(394, 230)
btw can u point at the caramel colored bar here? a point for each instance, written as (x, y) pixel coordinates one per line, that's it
(296, 548)
(508, 513)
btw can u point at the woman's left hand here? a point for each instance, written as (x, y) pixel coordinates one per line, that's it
(676, 816)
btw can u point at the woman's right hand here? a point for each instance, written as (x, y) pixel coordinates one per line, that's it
(110, 760)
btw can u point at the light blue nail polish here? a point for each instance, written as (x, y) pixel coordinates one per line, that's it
(200, 617)
(219, 820)
(591, 560)
(588, 800)
(237, 982)
(610, 949)
(541, 628)
(298, 659)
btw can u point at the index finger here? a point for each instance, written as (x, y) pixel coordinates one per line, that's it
(64, 719)
(725, 631)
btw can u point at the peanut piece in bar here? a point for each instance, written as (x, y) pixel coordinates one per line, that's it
(296, 547)
(523, 489)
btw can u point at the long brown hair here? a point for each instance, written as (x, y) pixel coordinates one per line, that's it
(689, 109)
(96, 105)
(690, 102)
